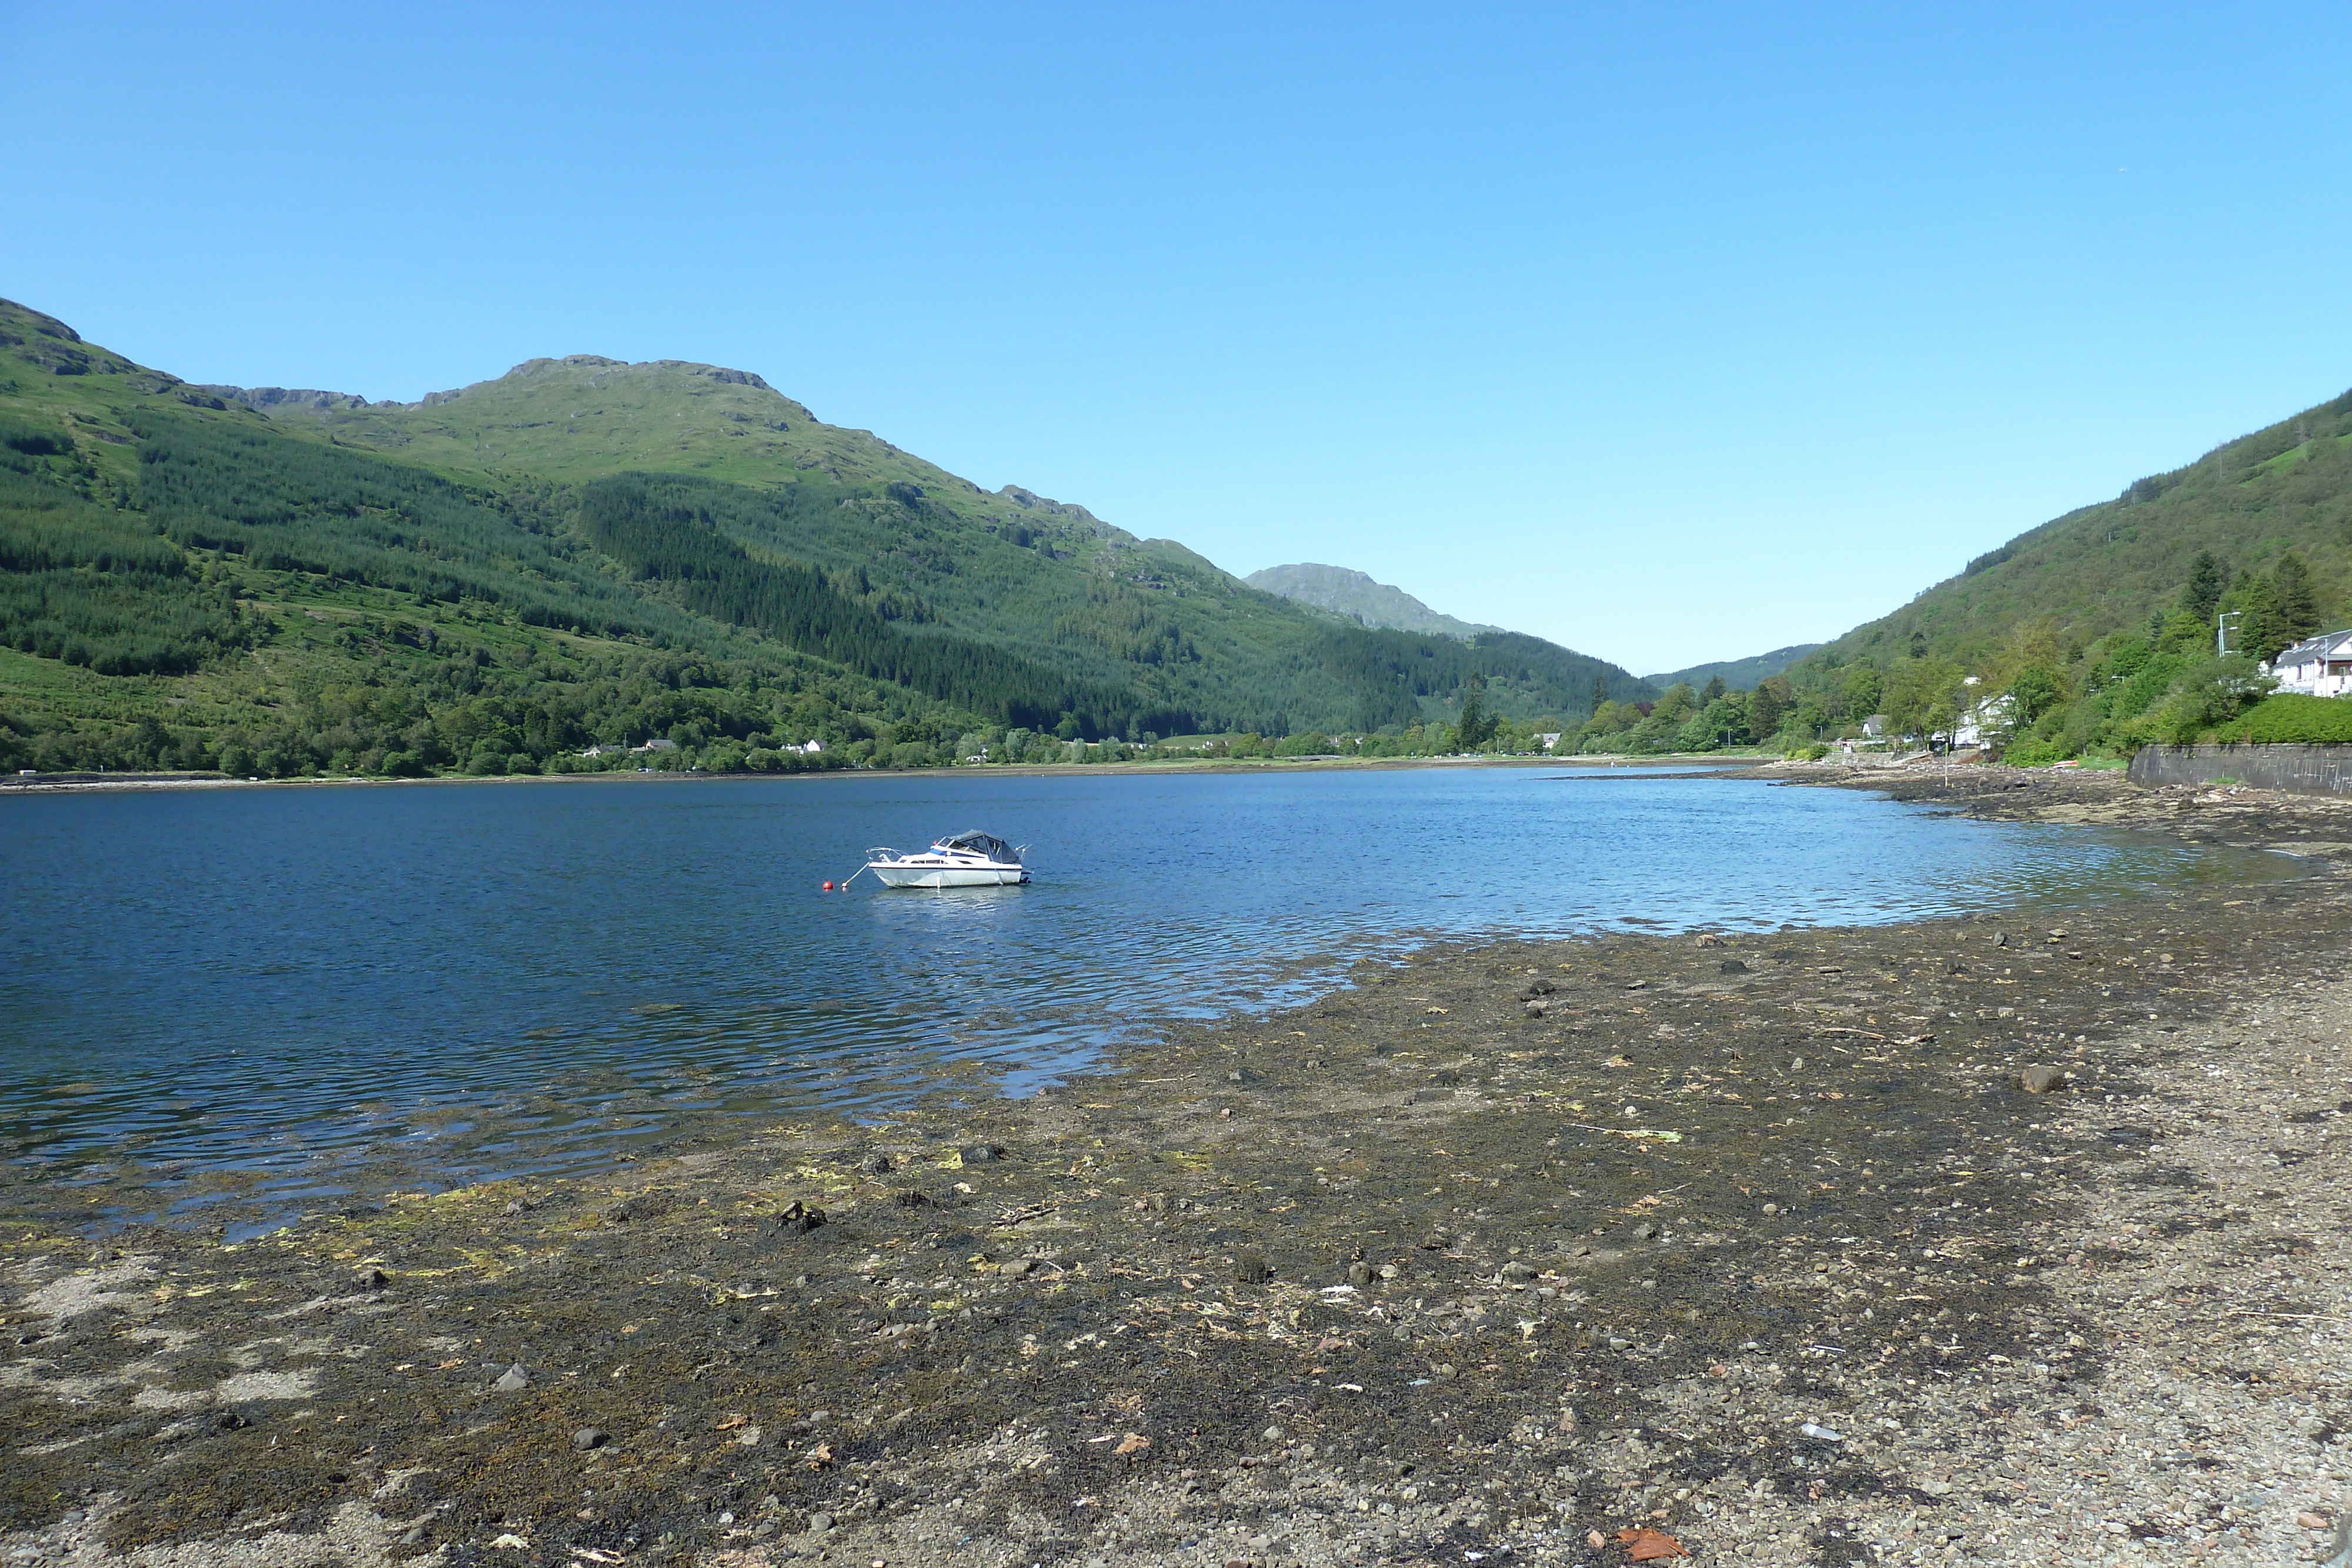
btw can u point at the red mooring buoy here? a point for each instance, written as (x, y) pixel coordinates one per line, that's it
(828, 887)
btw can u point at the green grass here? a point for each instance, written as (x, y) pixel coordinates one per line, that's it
(571, 421)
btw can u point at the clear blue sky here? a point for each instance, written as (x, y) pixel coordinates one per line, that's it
(1670, 334)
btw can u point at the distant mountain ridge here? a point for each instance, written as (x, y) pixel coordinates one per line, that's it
(1356, 595)
(1740, 674)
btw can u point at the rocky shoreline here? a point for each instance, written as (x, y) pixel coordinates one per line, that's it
(1983, 1239)
(27, 784)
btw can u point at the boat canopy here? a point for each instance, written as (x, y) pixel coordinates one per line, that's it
(979, 843)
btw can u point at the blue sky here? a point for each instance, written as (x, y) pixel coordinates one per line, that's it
(1669, 334)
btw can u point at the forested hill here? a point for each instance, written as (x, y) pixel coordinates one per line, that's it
(1192, 647)
(588, 552)
(2249, 503)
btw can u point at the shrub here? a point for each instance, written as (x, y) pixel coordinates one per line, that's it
(2290, 717)
(34, 440)
(2034, 754)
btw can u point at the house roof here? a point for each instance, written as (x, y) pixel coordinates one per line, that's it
(2327, 645)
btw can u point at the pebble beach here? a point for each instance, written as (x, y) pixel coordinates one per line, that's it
(1994, 1239)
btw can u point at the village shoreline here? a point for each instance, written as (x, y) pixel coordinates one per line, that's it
(1392, 1277)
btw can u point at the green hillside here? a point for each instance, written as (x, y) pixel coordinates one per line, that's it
(2108, 567)
(2100, 624)
(1195, 648)
(588, 552)
(2088, 636)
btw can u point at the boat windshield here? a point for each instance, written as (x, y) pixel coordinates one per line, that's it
(979, 843)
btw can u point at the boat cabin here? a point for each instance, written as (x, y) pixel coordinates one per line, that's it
(984, 844)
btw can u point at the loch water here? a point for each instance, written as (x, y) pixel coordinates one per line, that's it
(325, 988)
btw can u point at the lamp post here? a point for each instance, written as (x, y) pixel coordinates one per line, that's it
(2222, 631)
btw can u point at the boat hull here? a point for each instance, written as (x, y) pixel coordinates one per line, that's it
(948, 876)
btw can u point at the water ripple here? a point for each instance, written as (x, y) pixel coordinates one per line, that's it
(443, 982)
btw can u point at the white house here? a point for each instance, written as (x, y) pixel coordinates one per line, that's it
(2317, 666)
(1872, 738)
(1983, 716)
(811, 747)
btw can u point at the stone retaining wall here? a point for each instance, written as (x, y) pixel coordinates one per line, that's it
(2304, 770)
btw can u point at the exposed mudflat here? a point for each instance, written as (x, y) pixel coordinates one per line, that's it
(1760, 1243)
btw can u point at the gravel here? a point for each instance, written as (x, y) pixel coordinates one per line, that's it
(1876, 1302)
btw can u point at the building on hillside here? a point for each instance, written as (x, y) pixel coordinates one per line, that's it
(811, 747)
(1874, 727)
(1984, 717)
(656, 745)
(604, 750)
(1549, 739)
(2317, 666)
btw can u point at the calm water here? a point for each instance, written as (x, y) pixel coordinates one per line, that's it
(434, 983)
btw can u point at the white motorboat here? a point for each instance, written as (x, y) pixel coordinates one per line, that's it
(964, 860)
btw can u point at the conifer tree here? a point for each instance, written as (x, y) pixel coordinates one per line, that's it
(1476, 727)
(2201, 595)
(2291, 612)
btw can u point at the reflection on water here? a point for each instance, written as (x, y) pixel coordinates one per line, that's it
(450, 980)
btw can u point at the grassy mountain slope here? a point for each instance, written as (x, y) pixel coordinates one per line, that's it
(2095, 631)
(586, 417)
(2109, 566)
(1737, 674)
(1355, 595)
(181, 584)
(1196, 648)
(298, 580)
(2098, 627)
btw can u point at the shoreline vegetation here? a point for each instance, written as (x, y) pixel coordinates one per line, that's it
(2006, 1239)
(34, 783)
